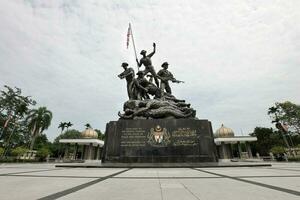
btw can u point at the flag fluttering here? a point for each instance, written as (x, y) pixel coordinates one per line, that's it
(128, 36)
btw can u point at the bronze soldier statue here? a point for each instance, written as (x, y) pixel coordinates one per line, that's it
(165, 76)
(146, 61)
(144, 87)
(128, 74)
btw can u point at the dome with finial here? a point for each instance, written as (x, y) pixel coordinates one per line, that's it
(89, 133)
(224, 132)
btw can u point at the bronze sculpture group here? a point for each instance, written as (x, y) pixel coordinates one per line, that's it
(139, 89)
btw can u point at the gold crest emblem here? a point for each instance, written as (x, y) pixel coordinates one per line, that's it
(158, 137)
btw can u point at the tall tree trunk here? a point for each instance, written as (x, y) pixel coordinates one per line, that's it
(32, 142)
(34, 134)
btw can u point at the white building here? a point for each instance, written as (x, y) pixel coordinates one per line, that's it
(89, 143)
(225, 139)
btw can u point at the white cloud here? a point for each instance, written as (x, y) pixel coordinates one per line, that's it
(237, 57)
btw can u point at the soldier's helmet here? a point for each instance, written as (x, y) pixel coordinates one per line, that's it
(165, 64)
(124, 64)
(143, 52)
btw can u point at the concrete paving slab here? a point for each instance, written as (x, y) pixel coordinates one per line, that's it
(76, 172)
(17, 188)
(252, 172)
(175, 190)
(150, 183)
(20, 170)
(28, 165)
(140, 172)
(120, 189)
(292, 183)
(182, 172)
(164, 172)
(227, 189)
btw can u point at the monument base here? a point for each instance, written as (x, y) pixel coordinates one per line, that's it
(159, 141)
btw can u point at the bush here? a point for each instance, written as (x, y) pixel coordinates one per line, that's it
(1, 151)
(19, 151)
(42, 153)
(294, 159)
(278, 152)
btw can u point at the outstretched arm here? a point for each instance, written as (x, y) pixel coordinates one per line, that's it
(153, 52)
(121, 76)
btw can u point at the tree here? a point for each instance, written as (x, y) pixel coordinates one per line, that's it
(287, 113)
(38, 121)
(101, 136)
(56, 148)
(41, 141)
(70, 134)
(87, 126)
(62, 126)
(19, 151)
(68, 125)
(42, 153)
(1, 151)
(266, 139)
(13, 107)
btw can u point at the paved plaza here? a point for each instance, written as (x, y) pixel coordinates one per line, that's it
(44, 181)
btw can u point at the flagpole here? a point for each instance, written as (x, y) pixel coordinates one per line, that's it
(133, 44)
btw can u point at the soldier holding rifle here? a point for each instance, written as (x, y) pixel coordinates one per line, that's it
(165, 76)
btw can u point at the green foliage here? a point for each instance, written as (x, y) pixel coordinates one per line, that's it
(22, 120)
(87, 126)
(63, 125)
(38, 121)
(13, 103)
(1, 151)
(69, 134)
(56, 148)
(42, 153)
(266, 139)
(19, 151)
(101, 136)
(41, 141)
(294, 159)
(13, 108)
(286, 113)
(278, 150)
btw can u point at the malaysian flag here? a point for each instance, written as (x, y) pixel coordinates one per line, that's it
(128, 35)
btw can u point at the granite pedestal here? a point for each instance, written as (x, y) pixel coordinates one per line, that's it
(159, 141)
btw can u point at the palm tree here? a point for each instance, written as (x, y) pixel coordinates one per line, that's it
(62, 126)
(87, 126)
(38, 120)
(68, 125)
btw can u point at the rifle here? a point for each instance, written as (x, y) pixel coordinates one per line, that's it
(177, 81)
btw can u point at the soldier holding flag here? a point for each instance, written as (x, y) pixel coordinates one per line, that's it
(146, 61)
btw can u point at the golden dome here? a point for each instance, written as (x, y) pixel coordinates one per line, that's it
(224, 132)
(89, 133)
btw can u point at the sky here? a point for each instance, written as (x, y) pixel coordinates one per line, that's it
(237, 57)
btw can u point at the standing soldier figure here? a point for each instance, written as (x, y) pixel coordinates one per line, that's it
(165, 76)
(128, 74)
(146, 61)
